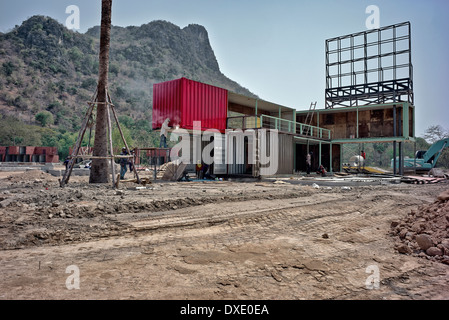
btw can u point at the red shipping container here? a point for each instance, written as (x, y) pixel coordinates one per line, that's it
(158, 153)
(39, 150)
(2, 150)
(14, 150)
(52, 151)
(29, 150)
(185, 101)
(52, 159)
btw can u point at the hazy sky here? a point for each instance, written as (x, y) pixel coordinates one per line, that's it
(276, 48)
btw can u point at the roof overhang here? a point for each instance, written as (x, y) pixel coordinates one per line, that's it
(253, 102)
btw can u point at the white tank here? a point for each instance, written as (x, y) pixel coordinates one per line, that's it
(357, 161)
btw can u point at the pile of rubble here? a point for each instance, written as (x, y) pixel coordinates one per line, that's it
(425, 232)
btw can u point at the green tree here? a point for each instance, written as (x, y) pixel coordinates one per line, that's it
(14, 132)
(75, 54)
(117, 141)
(380, 149)
(8, 68)
(114, 69)
(88, 83)
(44, 118)
(435, 133)
(126, 121)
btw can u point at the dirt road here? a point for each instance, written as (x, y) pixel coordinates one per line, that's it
(209, 240)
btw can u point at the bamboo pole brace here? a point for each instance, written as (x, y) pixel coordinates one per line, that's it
(111, 151)
(97, 157)
(121, 134)
(97, 103)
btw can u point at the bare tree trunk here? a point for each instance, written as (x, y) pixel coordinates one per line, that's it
(99, 170)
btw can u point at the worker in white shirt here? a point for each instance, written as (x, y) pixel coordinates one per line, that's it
(164, 131)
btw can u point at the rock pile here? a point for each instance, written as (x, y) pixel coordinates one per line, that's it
(425, 232)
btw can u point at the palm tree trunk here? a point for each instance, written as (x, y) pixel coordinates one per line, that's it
(99, 171)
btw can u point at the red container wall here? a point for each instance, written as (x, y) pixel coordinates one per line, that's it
(29, 150)
(52, 151)
(52, 159)
(2, 153)
(185, 101)
(167, 103)
(157, 153)
(39, 150)
(13, 150)
(205, 103)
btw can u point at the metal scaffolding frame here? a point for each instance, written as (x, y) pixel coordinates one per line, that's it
(371, 67)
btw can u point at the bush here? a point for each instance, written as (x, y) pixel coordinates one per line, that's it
(114, 69)
(120, 92)
(20, 103)
(44, 118)
(54, 106)
(89, 84)
(75, 54)
(8, 68)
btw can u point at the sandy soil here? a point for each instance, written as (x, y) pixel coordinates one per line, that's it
(210, 240)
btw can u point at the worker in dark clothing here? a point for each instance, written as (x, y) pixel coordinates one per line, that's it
(199, 170)
(123, 163)
(322, 171)
(309, 162)
(206, 171)
(66, 162)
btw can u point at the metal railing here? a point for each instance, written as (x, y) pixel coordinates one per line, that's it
(283, 125)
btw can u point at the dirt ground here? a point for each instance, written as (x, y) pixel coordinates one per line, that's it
(217, 240)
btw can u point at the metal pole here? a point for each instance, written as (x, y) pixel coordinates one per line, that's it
(155, 160)
(414, 156)
(394, 142)
(319, 164)
(401, 153)
(255, 119)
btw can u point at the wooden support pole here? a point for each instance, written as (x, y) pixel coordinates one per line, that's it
(123, 138)
(111, 152)
(68, 171)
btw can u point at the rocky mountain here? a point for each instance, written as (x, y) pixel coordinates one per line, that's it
(46, 67)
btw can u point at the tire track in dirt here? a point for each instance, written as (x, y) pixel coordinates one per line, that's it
(232, 214)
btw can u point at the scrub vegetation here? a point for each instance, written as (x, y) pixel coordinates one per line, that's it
(48, 74)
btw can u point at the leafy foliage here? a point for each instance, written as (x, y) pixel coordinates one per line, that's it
(45, 118)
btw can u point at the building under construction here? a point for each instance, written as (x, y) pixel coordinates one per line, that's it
(369, 98)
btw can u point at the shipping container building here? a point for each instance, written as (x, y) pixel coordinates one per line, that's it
(192, 105)
(29, 154)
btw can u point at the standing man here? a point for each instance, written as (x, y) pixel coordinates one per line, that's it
(164, 131)
(363, 154)
(123, 163)
(309, 162)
